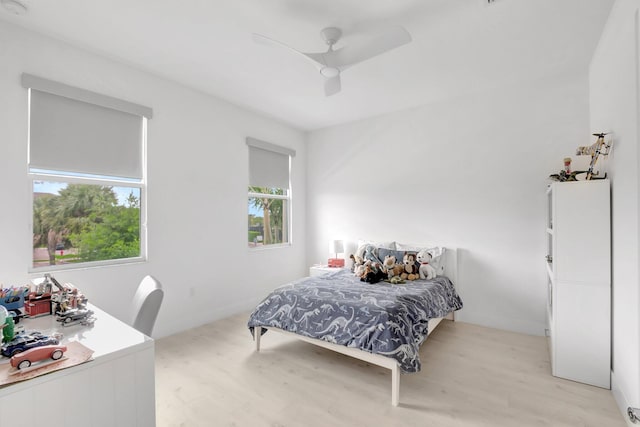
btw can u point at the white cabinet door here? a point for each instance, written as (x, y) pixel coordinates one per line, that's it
(579, 304)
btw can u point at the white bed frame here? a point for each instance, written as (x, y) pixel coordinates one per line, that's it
(451, 271)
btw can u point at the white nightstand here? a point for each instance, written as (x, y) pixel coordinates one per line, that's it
(319, 270)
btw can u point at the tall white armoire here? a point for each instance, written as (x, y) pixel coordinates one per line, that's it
(579, 284)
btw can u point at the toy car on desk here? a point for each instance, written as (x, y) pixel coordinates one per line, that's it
(73, 315)
(27, 358)
(24, 342)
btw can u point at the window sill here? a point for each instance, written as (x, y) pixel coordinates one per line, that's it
(269, 247)
(86, 265)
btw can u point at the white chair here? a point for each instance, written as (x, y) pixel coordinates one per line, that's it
(146, 304)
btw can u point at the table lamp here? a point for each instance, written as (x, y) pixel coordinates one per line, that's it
(336, 247)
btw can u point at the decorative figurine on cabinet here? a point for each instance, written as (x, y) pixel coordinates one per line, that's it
(595, 150)
(598, 148)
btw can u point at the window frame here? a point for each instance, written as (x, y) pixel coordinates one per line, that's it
(56, 177)
(74, 178)
(286, 197)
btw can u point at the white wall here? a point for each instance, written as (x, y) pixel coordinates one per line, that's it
(614, 108)
(469, 173)
(197, 174)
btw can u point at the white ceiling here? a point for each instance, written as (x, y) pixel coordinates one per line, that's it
(458, 46)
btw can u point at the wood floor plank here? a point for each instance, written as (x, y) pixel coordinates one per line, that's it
(471, 376)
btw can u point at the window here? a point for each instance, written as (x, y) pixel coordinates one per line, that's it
(269, 194)
(86, 167)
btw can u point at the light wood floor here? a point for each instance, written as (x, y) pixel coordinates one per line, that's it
(471, 376)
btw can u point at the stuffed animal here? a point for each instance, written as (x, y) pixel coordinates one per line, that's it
(395, 280)
(425, 270)
(387, 265)
(370, 252)
(373, 273)
(362, 268)
(366, 269)
(391, 267)
(358, 265)
(410, 271)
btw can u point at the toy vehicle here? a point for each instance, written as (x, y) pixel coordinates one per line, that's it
(73, 314)
(27, 358)
(24, 342)
(67, 296)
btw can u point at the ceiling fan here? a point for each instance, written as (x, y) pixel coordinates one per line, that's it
(332, 62)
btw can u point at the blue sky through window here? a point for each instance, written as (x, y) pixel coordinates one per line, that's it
(52, 187)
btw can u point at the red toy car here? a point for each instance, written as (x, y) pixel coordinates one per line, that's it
(26, 358)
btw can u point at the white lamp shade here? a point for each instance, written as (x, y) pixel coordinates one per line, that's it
(336, 247)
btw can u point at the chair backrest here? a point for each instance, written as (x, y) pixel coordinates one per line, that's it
(146, 304)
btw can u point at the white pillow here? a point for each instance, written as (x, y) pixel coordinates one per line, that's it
(385, 245)
(410, 247)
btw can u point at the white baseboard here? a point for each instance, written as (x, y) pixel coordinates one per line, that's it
(621, 400)
(498, 322)
(213, 313)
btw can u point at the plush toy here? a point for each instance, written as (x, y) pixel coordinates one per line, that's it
(387, 265)
(410, 271)
(425, 270)
(362, 269)
(359, 271)
(373, 273)
(398, 269)
(391, 267)
(371, 253)
(395, 280)
(358, 265)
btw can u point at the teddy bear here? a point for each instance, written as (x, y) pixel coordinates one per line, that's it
(425, 270)
(410, 271)
(391, 267)
(388, 263)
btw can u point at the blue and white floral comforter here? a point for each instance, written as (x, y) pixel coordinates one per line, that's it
(385, 319)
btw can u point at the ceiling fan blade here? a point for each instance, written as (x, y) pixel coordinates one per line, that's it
(347, 56)
(314, 58)
(332, 85)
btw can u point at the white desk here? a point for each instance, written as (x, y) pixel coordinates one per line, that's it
(117, 388)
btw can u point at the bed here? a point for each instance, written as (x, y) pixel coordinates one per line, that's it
(380, 323)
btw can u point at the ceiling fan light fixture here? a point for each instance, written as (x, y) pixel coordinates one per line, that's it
(14, 6)
(329, 72)
(331, 35)
(332, 63)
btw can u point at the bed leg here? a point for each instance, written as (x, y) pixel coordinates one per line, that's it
(395, 385)
(257, 332)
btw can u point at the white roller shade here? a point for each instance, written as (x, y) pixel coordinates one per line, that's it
(74, 136)
(74, 130)
(268, 164)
